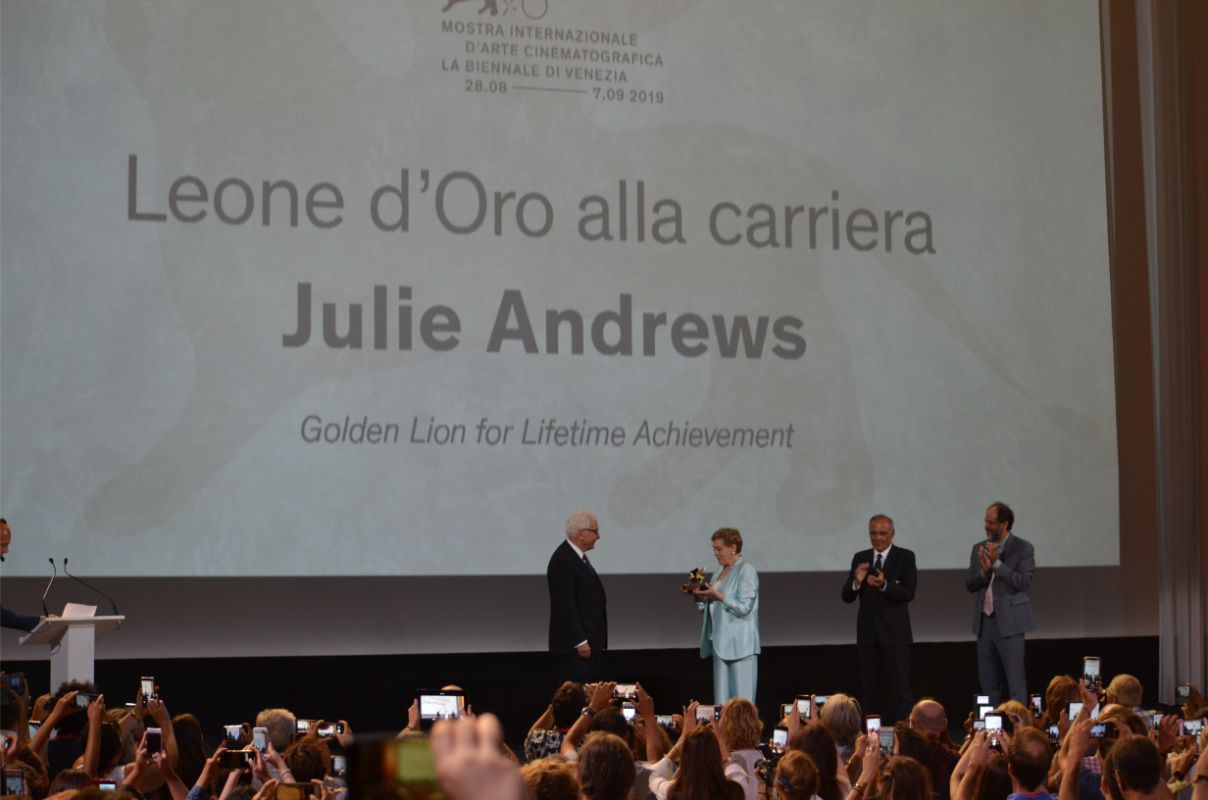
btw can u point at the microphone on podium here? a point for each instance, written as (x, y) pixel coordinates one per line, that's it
(53, 575)
(90, 586)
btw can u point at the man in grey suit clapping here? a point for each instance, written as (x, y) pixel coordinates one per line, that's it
(1000, 572)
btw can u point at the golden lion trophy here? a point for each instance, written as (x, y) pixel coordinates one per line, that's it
(697, 581)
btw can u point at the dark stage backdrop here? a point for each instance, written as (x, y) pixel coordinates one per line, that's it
(364, 616)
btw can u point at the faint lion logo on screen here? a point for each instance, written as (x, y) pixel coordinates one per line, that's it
(533, 9)
(491, 6)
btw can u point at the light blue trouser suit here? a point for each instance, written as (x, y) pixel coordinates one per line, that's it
(735, 678)
(730, 634)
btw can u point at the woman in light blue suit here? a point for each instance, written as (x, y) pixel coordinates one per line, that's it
(730, 633)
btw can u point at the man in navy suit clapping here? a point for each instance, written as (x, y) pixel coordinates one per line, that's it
(884, 579)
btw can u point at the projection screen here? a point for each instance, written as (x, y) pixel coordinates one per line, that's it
(390, 288)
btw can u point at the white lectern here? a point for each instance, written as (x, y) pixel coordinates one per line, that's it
(76, 638)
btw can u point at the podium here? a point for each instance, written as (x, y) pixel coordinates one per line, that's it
(76, 638)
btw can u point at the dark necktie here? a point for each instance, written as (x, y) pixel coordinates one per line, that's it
(877, 566)
(588, 563)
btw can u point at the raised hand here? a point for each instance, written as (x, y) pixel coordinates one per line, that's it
(96, 711)
(861, 572)
(345, 738)
(983, 558)
(468, 762)
(159, 712)
(601, 696)
(645, 703)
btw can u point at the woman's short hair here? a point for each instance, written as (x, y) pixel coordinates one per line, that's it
(307, 760)
(1016, 709)
(741, 726)
(550, 779)
(905, 779)
(730, 537)
(1126, 690)
(1062, 690)
(842, 717)
(281, 725)
(606, 770)
(796, 777)
(568, 703)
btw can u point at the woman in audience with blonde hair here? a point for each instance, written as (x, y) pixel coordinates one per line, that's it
(1020, 715)
(550, 779)
(740, 730)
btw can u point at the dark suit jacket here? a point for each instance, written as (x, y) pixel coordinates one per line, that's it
(577, 605)
(22, 622)
(1012, 578)
(884, 617)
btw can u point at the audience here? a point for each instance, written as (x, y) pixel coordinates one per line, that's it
(930, 721)
(817, 743)
(191, 746)
(868, 779)
(606, 770)
(703, 774)
(550, 779)
(842, 717)
(1133, 769)
(796, 777)
(1125, 690)
(741, 730)
(546, 735)
(1062, 690)
(282, 727)
(1028, 758)
(905, 779)
(909, 742)
(588, 745)
(992, 780)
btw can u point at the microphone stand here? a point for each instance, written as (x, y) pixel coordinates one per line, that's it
(78, 579)
(53, 575)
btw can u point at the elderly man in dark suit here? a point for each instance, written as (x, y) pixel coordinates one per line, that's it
(1000, 573)
(884, 579)
(578, 614)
